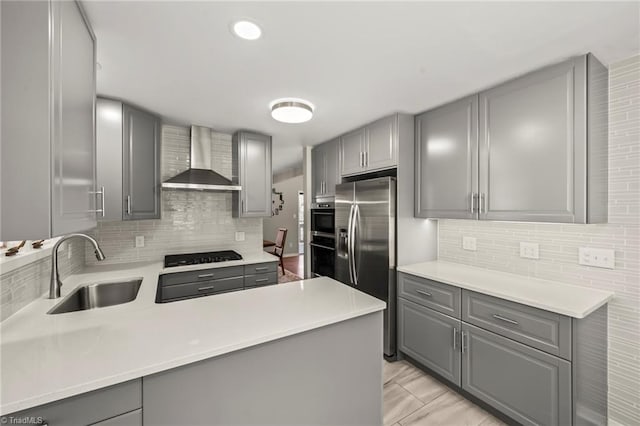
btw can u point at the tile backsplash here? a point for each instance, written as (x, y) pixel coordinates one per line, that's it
(498, 244)
(21, 286)
(191, 220)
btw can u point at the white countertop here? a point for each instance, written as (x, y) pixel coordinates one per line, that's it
(49, 357)
(565, 299)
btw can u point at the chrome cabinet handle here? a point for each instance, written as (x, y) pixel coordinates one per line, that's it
(482, 208)
(424, 293)
(262, 268)
(209, 287)
(205, 276)
(505, 319)
(473, 202)
(455, 338)
(366, 158)
(261, 280)
(101, 209)
(463, 341)
(129, 205)
(361, 163)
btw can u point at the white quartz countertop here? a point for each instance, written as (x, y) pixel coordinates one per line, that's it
(565, 299)
(49, 357)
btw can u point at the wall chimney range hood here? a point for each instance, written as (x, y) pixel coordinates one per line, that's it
(200, 175)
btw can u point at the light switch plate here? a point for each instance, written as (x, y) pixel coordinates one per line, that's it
(530, 250)
(600, 258)
(240, 236)
(139, 241)
(469, 243)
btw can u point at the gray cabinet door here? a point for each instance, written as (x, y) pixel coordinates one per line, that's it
(430, 338)
(382, 144)
(73, 184)
(332, 164)
(528, 385)
(141, 164)
(109, 156)
(133, 418)
(318, 172)
(352, 148)
(446, 161)
(531, 149)
(252, 170)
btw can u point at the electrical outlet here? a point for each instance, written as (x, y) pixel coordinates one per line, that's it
(240, 236)
(469, 243)
(600, 258)
(139, 241)
(530, 250)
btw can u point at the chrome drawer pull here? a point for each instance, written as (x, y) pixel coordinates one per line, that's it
(262, 268)
(262, 280)
(209, 287)
(205, 276)
(424, 293)
(501, 318)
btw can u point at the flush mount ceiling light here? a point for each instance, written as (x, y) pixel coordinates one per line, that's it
(246, 30)
(291, 110)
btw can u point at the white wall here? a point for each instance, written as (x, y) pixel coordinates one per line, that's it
(288, 216)
(498, 244)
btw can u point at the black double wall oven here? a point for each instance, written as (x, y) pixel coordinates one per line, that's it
(323, 240)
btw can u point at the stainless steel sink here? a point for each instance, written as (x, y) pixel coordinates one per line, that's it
(99, 295)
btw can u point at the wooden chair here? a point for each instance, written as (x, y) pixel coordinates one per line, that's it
(278, 250)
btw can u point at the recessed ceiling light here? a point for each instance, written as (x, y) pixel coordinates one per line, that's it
(291, 110)
(247, 30)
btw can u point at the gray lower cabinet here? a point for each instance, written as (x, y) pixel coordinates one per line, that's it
(530, 386)
(48, 109)
(115, 405)
(535, 366)
(325, 170)
(531, 149)
(447, 161)
(128, 166)
(252, 170)
(430, 338)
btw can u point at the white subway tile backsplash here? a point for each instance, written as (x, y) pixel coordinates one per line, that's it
(498, 242)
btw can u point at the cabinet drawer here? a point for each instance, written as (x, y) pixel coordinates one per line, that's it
(202, 288)
(201, 275)
(530, 386)
(260, 268)
(441, 297)
(133, 418)
(90, 407)
(540, 329)
(260, 279)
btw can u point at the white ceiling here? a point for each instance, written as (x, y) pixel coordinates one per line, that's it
(355, 61)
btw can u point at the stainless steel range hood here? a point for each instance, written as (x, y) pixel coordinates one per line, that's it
(201, 175)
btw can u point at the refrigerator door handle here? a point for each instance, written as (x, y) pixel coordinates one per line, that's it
(349, 239)
(356, 216)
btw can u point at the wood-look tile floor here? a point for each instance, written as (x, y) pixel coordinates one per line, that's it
(413, 398)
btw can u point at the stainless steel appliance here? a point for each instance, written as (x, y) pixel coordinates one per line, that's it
(323, 240)
(365, 216)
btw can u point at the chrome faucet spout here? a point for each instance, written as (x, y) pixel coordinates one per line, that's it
(55, 284)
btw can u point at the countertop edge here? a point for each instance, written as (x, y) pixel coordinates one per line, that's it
(606, 295)
(157, 368)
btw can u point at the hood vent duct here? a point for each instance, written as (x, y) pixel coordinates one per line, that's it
(201, 175)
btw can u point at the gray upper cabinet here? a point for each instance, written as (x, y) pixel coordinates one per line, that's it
(528, 385)
(447, 161)
(141, 164)
(128, 168)
(48, 109)
(382, 144)
(352, 147)
(252, 171)
(370, 148)
(325, 170)
(541, 151)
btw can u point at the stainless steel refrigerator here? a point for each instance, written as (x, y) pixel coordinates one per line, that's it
(365, 218)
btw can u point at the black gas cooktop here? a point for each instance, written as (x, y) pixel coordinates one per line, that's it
(197, 258)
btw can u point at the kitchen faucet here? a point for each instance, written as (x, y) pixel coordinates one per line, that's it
(54, 287)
